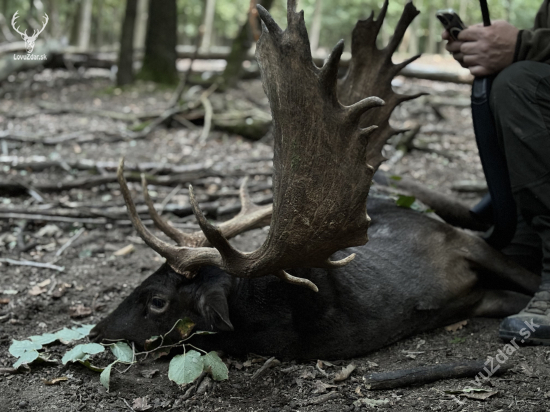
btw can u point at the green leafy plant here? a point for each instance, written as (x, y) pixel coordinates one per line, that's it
(183, 369)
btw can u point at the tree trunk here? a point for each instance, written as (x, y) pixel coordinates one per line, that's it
(159, 61)
(75, 19)
(125, 73)
(316, 26)
(239, 49)
(141, 25)
(208, 24)
(85, 24)
(98, 38)
(433, 28)
(53, 12)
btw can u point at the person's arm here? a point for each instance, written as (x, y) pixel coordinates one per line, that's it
(535, 44)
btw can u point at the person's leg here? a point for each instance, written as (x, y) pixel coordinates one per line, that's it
(520, 100)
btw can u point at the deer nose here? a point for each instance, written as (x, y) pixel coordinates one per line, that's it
(95, 335)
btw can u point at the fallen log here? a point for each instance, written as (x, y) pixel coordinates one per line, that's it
(426, 374)
(70, 56)
(41, 163)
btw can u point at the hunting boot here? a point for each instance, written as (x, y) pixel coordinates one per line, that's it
(532, 324)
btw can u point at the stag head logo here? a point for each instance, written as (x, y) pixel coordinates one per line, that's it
(29, 40)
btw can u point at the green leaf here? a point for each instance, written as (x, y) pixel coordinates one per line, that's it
(215, 366)
(184, 327)
(82, 352)
(185, 368)
(19, 347)
(67, 335)
(84, 330)
(405, 201)
(396, 178)
(44, 339)
(122, 352)
(105, 376)
(26, 357)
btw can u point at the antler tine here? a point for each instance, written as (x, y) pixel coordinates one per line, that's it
(13, 21)
(181, 259)
(163, 248)
(46, 20)
(409, 13)
(182, 239)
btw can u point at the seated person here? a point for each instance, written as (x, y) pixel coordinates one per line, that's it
(520, 103)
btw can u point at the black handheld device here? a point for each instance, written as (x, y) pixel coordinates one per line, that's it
(451, 21)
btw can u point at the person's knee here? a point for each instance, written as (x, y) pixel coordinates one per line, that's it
(503, 87)
(520, 77)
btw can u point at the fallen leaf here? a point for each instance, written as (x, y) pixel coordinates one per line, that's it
(370, 402)
(36, 290)
(49, 231)
(60, 290)
(247, 364)
(372, 364)
(307, 375)
(456, 326)
(4, 301)
(527, 370)
(79, 311)
(55, 380)
(358, 390)
(149, 373)
(344, 373)
(124, 251)
(321, 387)
(141, 404)
(480, 396)
(44, 283)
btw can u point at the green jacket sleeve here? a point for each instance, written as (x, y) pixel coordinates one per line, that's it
(534, 44)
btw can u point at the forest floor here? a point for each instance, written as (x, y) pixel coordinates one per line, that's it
(95, 279)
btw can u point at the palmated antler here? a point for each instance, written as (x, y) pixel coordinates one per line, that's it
(371, 72)
(323, 166)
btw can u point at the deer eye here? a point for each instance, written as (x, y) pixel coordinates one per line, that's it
(158, 304)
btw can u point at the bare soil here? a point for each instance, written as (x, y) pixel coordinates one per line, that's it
(97, 279)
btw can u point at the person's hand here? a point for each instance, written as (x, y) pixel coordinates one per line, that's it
(453, 46)
(486, 50)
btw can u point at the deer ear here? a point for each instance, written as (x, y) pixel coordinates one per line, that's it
(215, 311)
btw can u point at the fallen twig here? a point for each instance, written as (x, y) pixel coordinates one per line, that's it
(69, 242)
(426, 374)
(207, 117)
(268, 364)
(33, 264)
(322, 398)
(40, 163)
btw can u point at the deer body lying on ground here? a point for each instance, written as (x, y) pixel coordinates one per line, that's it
(415, 274)
(314, 289)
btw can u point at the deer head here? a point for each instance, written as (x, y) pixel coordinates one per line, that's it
(29, 40)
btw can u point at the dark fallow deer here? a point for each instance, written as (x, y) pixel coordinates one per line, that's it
(315, 288)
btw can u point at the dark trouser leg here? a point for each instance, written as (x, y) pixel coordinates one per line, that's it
(520, 101)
